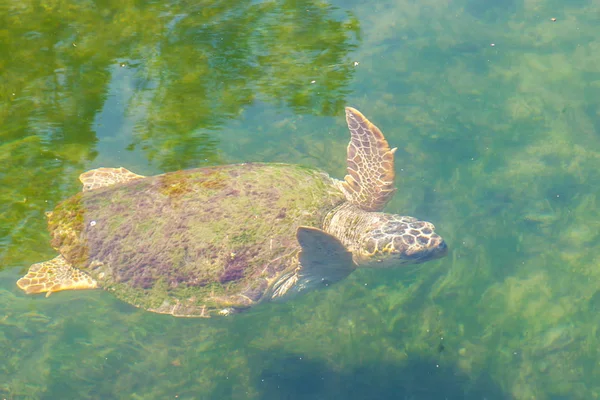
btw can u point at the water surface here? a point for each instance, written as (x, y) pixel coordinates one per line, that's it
(495, 110)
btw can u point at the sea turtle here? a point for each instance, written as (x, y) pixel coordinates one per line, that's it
(217, 240)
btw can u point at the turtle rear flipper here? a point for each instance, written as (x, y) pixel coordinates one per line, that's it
(369, 184)
(102, 177)
(53, 276)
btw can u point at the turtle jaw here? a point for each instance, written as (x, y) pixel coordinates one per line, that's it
(438, 250)
(386, 259)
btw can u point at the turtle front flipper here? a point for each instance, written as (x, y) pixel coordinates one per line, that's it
(53, 276)
(323, 261)
(101, 177)
(369, 184)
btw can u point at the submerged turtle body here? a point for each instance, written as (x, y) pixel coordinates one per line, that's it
(173, 242)
(219, 239)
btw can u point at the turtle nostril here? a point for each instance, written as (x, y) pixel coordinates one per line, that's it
(442, 245)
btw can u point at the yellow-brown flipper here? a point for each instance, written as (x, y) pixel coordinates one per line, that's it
(53, 276)
(101, 177)
(369, 184)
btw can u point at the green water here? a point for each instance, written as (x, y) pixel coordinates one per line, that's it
(499, 146)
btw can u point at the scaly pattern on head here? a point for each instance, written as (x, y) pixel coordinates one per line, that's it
(369, 184)
(399, 240)
(381, 240)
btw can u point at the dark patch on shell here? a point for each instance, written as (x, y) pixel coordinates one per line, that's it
(282, 213)
(234, 269)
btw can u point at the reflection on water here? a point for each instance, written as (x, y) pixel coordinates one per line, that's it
(497, 144)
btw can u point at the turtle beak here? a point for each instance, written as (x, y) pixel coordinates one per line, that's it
(443, 247)
(441, 250)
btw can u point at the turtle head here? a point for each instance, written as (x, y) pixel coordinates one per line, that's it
(394, 240)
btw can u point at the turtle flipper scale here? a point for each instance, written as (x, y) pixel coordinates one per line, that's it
(53, 276)
(102, 177)
(369, 183)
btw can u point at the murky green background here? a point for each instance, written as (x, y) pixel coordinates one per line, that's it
(499, 146)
